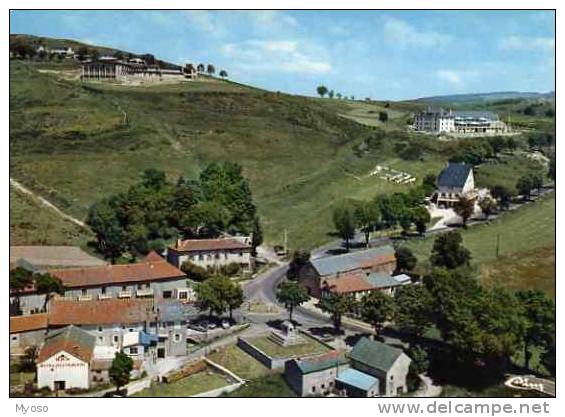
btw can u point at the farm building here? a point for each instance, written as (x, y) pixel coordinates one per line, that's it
(211, 253)
(454, 182)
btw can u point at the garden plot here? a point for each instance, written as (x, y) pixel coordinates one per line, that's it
(392, 175)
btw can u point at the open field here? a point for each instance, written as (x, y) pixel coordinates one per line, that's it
(273, 385)
(186, 387)
(309, 347)
(526, 252)
(239, 362)
(34, 224)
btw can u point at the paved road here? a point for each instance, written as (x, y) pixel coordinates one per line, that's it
(546, 386)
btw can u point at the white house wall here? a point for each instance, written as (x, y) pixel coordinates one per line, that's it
(63, 367)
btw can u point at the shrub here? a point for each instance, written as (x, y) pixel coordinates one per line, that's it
(194, 272)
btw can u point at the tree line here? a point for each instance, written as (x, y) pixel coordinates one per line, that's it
(155, 210)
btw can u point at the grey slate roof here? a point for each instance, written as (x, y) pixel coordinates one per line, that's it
(382, 281)
(454, 175)
(349, 261)
(357, 379)
(375, 354)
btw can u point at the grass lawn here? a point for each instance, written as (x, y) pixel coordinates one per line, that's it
(497, 391)
(527, 247)
(269, 386)
(274, 350)
(239, 362)
(186, 387)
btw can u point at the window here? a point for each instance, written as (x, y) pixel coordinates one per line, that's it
(167, 294)
(133, 350)
(103, 290)
(313, 389)
(83, 291)
(124, 288)
(100, 328)
(14, 337)
(200, 257)
(100, 338)
(217, 256)
(240, 253)
(183, 295)
(116, 338)
(177, 337)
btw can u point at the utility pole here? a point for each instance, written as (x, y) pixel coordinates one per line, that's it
(497, 244)
(285, 240)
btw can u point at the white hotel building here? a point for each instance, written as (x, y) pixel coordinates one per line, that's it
(459, 122)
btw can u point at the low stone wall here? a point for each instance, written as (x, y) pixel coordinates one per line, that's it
(190, 368)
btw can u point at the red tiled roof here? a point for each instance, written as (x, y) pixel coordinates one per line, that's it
(378, 260)
(72, 340)
(351, 282)
(19, 324)
(154, 257)
(115, 274)
(98, 312)
(193, 245)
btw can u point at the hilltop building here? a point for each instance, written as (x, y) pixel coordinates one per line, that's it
(438, 120)
(355, 272)
(454, 182)
(135, 69)
(211, 253)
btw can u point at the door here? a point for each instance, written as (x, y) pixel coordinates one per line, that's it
(59, 385)
(160, 352)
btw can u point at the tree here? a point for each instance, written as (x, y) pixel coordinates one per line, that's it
(448, 252)
(291, 294)
(28, 360)
(336, 304)
(344, 222)
(120, 370)
(218, 294)
(502, 195)
(20, 279)
(511, 144)
(223, 73)
(550, 113)
(233, 294)
(383, 116)
(322, 90)
(200, 68)
(367, 218)
(497, 143)
(539, 315)
(421, 217)
(537, 181)
(524, 186)
(488, 206)
(377, 308)
(429, 184)
(529, 111)
(551, 168)
(338, 95)
(464, 207)
(82, 53)
(405, 259)
(210, 69)
(22, 48)
(110, 236)
(256, 235)
(48, 284)
(413, 309)
(299, 259)
(194, 272)
(331, 94)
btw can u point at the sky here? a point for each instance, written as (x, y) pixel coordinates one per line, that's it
(388, 55)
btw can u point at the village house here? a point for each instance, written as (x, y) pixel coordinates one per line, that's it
(211, 253)
(27, 331)
(152, 278)
(386, 363)
(136, 69)
(354, 272)
(454, 182)
(70, 358)
(160, 327)
(317, 375)
(62, 50)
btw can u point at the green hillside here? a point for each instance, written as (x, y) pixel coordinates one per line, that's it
(75, 143)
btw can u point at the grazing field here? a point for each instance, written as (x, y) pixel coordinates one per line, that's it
(526, 251)
(239, 362)
(273, 385)
(186, 387)
(34, 224)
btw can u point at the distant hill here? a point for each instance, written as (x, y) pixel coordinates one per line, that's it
(495, 96)
(102, 50)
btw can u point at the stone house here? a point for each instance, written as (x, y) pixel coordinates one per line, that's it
(151, 278)
(454, 182)
(315, 376)
(211, 253)
(386, 363)
(357, 272)
(26, 331)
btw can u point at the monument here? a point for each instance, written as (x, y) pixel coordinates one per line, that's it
(287, 336)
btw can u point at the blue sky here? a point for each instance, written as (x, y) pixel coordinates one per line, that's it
(378, 54)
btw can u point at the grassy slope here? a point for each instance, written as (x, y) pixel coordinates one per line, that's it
(69, 142)
(527, 247)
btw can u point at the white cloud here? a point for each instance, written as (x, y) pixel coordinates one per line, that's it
(404, 34)
(452, 77)
(520, 43)
(457, 78)
(276, 55)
